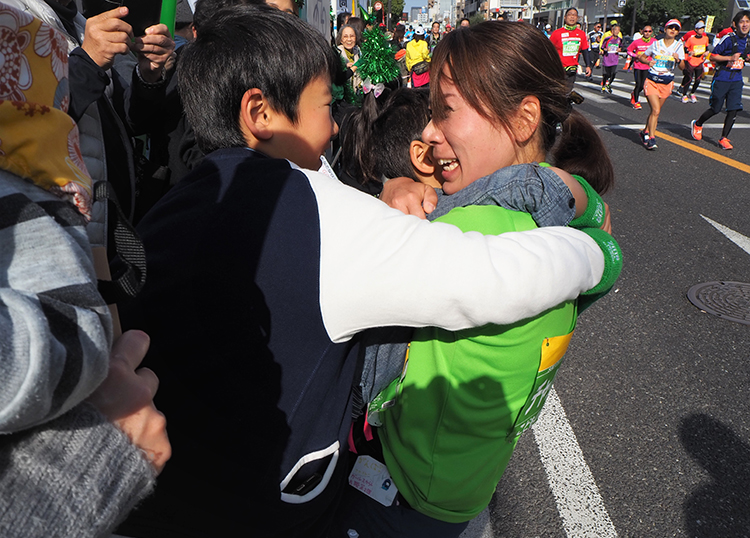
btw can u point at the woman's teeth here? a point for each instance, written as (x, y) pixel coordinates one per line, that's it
(448, 164)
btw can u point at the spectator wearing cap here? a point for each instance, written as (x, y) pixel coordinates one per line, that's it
(418, 58)
(696, 49)
(183, 24)
(547, 30)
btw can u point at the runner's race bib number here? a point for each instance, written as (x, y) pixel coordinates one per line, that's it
(571, 46)
(664, 62)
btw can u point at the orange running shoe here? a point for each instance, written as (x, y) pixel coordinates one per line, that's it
(696, 130)
(724, 143)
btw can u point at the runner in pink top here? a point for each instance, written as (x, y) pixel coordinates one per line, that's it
(639, 68)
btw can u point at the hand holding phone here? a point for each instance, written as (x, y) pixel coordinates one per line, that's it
(106, 36)
(153, 50)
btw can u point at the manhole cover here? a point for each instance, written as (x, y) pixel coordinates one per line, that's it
(728, 300)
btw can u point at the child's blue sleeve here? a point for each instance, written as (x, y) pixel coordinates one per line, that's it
(529, 188)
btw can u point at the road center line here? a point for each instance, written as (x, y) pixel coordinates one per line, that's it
(688, 145)
(578, 500)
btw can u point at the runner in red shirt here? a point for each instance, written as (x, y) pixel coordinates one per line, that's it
(569, 42)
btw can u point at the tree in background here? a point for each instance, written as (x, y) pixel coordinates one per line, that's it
(657, 12)
(397, 7)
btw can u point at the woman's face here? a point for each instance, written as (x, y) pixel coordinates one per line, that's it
(466, 145)
(348, 38)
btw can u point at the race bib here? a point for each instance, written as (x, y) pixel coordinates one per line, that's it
(612, 47)
(553, 350)
(699, 49)
(664, 62)
(571, 46)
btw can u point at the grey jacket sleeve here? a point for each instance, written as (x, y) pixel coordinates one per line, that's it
(78, 475)
(55, 330)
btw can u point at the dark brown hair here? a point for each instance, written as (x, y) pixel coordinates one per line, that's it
(494, 66)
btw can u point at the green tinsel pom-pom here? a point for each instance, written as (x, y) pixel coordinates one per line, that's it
(376, 61)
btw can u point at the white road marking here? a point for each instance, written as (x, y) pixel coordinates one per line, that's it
(578, 500)
(737, 238)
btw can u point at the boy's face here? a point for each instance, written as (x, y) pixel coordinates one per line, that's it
(284, 5)
(305, 141)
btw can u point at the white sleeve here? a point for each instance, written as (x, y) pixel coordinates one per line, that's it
(379, 267)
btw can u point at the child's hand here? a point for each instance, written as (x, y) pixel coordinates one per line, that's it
(126, 398)
(409, 197)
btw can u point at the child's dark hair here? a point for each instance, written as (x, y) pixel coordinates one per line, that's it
(495, 65)
(244, 47)
(205, 9)
(376, 141)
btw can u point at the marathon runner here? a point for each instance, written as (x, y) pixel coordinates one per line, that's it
(569, 42)
(730, 56)
(640, 69)
(611, 57)
(696, 49)
(595, 39)
(661, 56)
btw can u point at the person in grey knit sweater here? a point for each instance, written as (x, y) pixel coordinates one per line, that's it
(80, 440)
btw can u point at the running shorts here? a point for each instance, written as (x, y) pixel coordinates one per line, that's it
(729, 90)
(659, 90)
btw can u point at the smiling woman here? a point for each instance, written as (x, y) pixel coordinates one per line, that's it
(348, 40)
(448, 425)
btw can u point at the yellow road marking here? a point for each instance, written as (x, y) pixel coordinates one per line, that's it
(706, 153)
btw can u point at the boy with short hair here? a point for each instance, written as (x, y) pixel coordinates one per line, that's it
(268, 267)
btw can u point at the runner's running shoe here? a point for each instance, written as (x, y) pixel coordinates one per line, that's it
(632, 99)
(609, 88)
(651, 143)
(685, 99)
(637, 106)
(696, 130)
(693, 98)
(604, 89)
(724, 143)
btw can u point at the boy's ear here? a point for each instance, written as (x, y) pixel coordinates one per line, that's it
(527, 119)
(421, 158)
(255, 115)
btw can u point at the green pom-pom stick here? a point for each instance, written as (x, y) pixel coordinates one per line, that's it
(168, 12)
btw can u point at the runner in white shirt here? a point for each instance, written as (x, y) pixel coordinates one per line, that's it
(661, 56)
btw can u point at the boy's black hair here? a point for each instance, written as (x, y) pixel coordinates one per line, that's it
(377, 138)
(243, 47)
(205, 9)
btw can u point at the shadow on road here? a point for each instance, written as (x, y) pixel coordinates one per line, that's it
(718, 508)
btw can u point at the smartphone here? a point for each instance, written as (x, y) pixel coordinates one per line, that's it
(142, 14)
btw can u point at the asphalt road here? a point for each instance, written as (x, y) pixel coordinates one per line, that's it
(655, 391)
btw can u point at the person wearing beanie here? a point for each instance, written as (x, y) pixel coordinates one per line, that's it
(183, 24)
